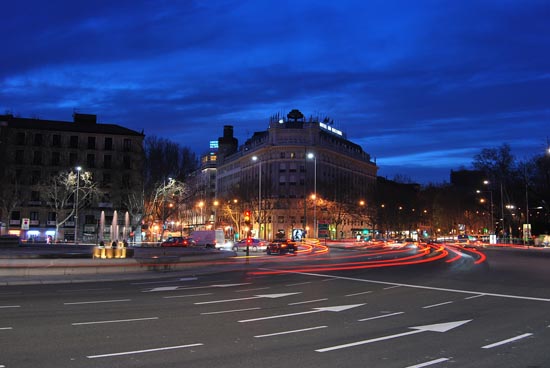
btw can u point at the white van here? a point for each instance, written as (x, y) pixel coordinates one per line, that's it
(209, 238)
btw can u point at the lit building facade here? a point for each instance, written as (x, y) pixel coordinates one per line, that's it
(33, 150)
(295, 176)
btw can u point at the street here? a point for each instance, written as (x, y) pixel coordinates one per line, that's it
(279, 311)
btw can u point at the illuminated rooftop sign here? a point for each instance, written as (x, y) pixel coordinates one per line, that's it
(331, 129)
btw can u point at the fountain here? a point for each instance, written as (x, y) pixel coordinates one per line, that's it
(126, 225)
(101, 229)
(114, 227)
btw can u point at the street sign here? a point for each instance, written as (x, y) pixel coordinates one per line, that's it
(25, 223)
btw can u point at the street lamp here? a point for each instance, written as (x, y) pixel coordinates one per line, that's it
(78, 168)
(312, 156)
(491, 193)
(201, 205)
(256, 158)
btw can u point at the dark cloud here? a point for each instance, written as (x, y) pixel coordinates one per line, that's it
(422, 86)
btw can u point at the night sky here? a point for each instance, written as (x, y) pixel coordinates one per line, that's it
(422, 86)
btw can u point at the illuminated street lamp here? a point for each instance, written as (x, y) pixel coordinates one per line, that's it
(78, 168)
(312, 156)
(201, 205)
(256, 158)
(491, 193)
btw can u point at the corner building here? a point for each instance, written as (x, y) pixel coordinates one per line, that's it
(294, 176)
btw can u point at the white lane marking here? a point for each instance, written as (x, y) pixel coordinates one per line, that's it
(99, 301)
(6, 328)
(380, 316)
(81, 290)
(439, 327)
(290, 332)
(426, 287)
(475, 296)
(436, 305)
(172, 288)
(9, 306)
(142, 351)
(114, 321)
(162, 288)
(431, 362)
(392, 287)
(165, 281)
(309, 301)
(244, 291)
(185, 296)
(299, 283)
(506, 341)
(269, 296)
(364, 292)
(231, 311)
(338, 308)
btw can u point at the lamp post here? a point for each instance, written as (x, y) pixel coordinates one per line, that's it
(78, 168)
(256, 158)
(201, 205)
(491, 204)
(312, 156)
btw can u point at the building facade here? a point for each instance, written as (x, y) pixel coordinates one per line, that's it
(297, 176)
(34, 150)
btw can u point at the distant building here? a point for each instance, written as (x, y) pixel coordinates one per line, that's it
(277, 172)
(32, 150)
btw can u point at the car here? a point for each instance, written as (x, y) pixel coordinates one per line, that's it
(178, 241)
(281, 246)
(253, 244)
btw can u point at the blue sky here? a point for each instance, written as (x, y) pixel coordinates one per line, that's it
(421, 85)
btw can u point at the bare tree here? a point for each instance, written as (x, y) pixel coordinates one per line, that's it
(60, 192)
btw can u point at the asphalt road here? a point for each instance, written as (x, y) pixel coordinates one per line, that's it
(247, 314)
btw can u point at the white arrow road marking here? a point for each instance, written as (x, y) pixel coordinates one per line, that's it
(270, 296)
(440, 327)
(338, 308)
(172, 288)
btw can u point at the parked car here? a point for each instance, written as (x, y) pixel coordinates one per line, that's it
(282, 247)
(178, 241)
(208, 238)
(253, 244)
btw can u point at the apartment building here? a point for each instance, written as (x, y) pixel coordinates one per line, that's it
(33, 150)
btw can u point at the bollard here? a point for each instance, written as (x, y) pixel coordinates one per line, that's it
(118, 252)
(97, 252)
(109, 253)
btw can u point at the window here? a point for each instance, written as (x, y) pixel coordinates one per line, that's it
(108, 144)
(107, 161)
(21, 138)
(127, 145)
(73, 157)
(37, 158)
(281, 219)
(19, 155)
(91, 142)
(282, 155)
(52, 216)
(90, 160)
(56, 140)
(126, 181)
(282, 167)
(56, 158)
(35, 177)
(16, 215)
(126, 162)
(89, 220)
(37, 140)
(73, 143)
(106, 179)
(35, 196)
(34, 216)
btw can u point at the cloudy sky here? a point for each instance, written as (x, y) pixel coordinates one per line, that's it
(421, 85)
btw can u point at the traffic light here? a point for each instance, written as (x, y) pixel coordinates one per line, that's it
(249, 241)
(247, 216)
